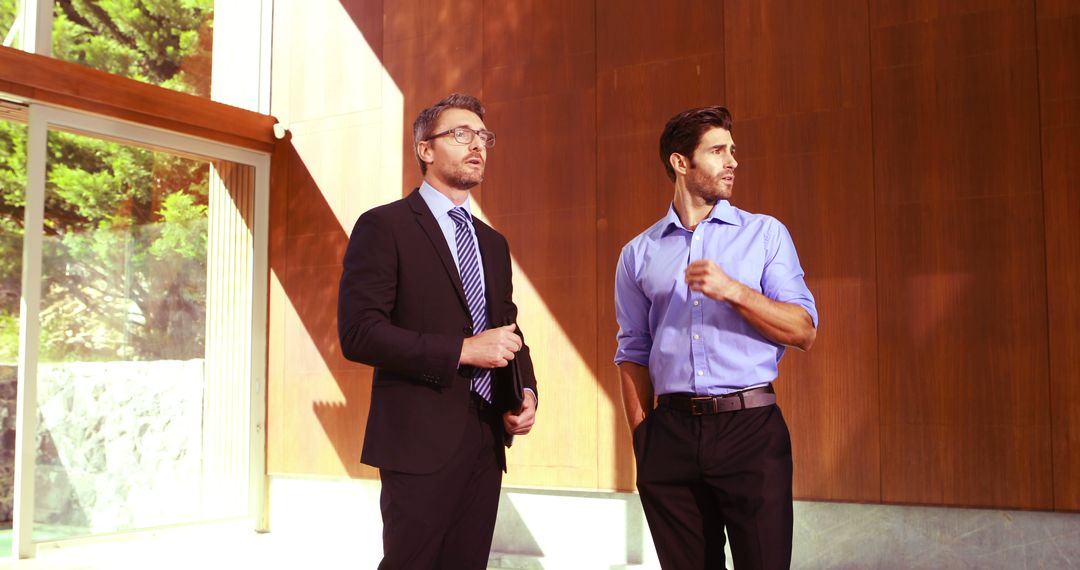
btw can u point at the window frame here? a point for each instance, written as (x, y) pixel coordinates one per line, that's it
(57, 104)
(41, 119)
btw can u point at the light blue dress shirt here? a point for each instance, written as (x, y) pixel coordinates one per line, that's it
(440, 207)
(690, 343)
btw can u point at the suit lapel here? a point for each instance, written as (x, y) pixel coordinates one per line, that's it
(434, 233)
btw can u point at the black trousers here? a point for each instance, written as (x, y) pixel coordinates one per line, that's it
(699, 474)
(445, 520)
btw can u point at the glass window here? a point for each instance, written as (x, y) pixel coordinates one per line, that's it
(12, 202)
(142, 406)
(165, 42)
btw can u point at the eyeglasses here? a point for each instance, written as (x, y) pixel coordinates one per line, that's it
(465, 135)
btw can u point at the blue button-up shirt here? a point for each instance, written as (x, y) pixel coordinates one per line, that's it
(690, 343)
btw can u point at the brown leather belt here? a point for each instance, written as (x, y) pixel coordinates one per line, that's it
(702, 405)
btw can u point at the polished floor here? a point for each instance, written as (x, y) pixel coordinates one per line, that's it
(221, 545)
(827, 536)
(218, 546)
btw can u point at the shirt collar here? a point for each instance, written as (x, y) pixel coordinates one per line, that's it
(438, 203)
(722, 212)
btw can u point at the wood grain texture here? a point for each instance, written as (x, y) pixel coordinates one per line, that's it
(539, 191)
(47, 80)
(430, 49)
(898, 141)
(332, 165)
(798, 78)
(319, 401)
(277, 430)
(1059, 91)
(960, 250)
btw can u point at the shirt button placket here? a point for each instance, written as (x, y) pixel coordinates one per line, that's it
(697, 349)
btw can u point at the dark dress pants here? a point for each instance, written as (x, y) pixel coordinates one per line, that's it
(699, 474)
(445, 520)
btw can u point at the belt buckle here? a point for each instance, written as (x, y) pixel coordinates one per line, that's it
(701, 405)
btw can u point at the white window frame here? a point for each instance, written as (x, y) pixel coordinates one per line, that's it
(42, 118)
(35, 22)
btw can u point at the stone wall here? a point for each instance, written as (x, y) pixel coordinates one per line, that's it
(7, 441)
(119, 444)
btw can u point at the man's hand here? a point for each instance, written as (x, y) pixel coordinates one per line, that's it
(784, 323)
(521, 422)
(707, 277)
(493, 348)
(637, 392)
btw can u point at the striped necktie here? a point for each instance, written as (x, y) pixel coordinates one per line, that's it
(469, 269)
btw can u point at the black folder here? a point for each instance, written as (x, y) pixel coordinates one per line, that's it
(516, 396)
(517, 391)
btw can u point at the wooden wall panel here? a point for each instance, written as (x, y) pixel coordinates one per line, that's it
(330, 51)
(898, 141)
(430, 49)
(1059, 90)
(540, 91)
(798, 77)
(961, 270)
(276, 404)
(328, 88)
(652, 62)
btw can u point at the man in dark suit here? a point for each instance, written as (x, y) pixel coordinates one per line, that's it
(426, 299)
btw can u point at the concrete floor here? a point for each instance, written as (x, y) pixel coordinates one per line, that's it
(335, 525)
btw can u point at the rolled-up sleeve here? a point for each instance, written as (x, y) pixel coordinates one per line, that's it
(783, 278)
(631, 312)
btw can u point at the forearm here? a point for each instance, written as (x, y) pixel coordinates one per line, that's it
(637, 392)
(784, 323)
(378, 343)
(367, 294)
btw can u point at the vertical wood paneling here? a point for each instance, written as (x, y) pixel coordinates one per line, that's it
(328, 89)
(900, 145)
(653, 61)
(277, 430)
(430, 49)
(1059, 90)
(333, 58)
(539, 87)
(798, 77)
(961, 282)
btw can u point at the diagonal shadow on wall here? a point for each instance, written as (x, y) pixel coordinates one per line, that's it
(308, 266)
(308, 262)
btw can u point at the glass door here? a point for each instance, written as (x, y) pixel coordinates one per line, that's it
(126, 370)
(12, 200)
(145, 345)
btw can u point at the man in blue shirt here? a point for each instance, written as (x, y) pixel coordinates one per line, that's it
(707, 300)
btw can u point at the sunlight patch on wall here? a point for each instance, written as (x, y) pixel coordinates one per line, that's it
(563, 441)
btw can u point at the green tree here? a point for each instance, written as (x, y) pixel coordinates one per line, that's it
(8, 9)
(125, 232)
(12, 189)
(164, 42)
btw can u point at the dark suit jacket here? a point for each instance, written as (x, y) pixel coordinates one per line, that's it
(402, 310)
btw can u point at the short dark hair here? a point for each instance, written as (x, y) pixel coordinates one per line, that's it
(683, 132)
(424, 125)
